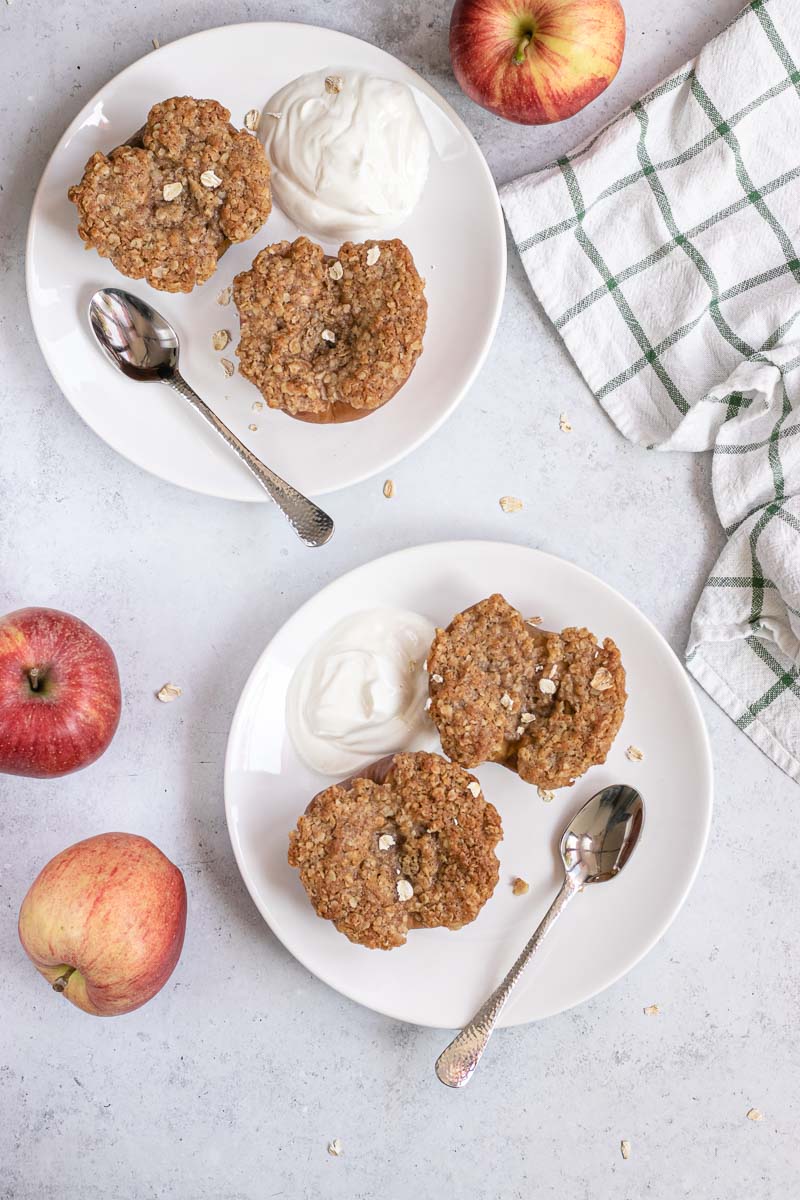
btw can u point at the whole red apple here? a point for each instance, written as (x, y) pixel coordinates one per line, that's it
(536, 61)
(59, 693)
(104, 922)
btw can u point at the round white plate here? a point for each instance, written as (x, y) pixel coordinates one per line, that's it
(455, 234)
(440, 977)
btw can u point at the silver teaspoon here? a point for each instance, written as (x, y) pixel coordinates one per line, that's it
(144, 346)
(595, 847)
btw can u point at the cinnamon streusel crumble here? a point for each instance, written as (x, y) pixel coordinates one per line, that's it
(330, 339)
(408, 847)
(165, 206)
(547, 705)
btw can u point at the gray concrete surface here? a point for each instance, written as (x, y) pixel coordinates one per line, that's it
(232, 1082)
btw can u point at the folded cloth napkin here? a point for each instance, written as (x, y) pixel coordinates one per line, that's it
(666, 251)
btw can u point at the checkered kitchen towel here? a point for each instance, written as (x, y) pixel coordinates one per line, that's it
(666, 251)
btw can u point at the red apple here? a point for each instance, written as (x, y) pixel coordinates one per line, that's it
(536, 61)
(104, 922)
(59, 693)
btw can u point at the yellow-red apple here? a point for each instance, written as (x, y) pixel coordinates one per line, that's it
(104, 922)
(536, 61)
(59, 693)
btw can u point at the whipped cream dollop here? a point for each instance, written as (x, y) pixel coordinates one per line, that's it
(360, 691)
(349, 152)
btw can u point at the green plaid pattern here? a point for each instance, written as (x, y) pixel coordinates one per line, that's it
(666, 251)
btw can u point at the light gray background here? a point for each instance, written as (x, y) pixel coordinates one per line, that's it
(231, 1083)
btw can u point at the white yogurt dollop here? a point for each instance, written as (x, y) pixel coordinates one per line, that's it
(360, 692)
(348, 162)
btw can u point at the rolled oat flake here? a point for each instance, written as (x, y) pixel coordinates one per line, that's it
(404, 890)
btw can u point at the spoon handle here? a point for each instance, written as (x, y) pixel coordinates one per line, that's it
(310, 523)
(456, 1063)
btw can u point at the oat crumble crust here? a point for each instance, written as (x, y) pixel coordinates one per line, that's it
(290, 302)
(489, 652)
(444, 842)
(174, 244)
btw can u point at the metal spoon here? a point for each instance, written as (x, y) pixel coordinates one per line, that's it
(144, 346)
(595, 847)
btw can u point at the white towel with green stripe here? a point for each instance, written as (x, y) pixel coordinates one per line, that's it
(666, 251)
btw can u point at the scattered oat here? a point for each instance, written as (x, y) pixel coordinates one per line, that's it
(335, 1148)
(253, 428)
(474, 787)
(170, 691)
(652, 1010)
(602, 680)
(220, 339)
(336, 270)
(520, 887)
(547, 687)
(625, 1149)
(563, 424)
(404, 890)
(171, 191)
(373, 254)
(258, 405)
(155, 41)
(328, 336)
(251, 119)
(437, 678)
(227, 367)
(519, 731)
(385, 841)
(506, 701)
(534, 621)
(334, 84)
(754, 1114)
(428, 704)
(546, 795)
(634, 754)
(553, 671)
(225, 295)
(210, 179)
(510, 504)
(388, 489)
(526, 718)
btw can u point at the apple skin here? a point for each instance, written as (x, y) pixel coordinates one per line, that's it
(113, 907)
(536, 61)
(68, 719)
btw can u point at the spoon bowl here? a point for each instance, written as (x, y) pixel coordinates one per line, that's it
(133, 336)
(602, 835)
(142, 344)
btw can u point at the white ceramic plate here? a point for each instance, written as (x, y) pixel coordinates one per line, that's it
(440, 977)
(455, 234)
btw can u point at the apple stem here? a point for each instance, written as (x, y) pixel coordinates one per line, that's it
(60, 984)
(522, 46)
(33, 676)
